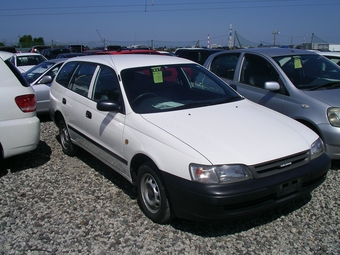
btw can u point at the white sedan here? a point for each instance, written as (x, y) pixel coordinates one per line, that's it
(193, 146)
(19, 125)
(25, 61)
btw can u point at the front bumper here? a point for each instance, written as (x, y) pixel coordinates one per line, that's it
(205, 202)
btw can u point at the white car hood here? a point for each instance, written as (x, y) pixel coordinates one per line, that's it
(239, 132)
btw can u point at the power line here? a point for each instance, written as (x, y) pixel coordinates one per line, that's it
(142, 8)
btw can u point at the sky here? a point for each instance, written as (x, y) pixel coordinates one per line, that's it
(171, 23)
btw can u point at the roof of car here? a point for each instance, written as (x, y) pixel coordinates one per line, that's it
(27, 54)
(130, 51)
(329, 53)
(272, 52)
(6, 55)
(123, 61)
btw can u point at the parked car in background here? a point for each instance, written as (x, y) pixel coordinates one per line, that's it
(198, 55)
(38, 48)
(8, 49)
(331, 55)
(167, 53)
(52, 53)
(193, 146)
(300, 84)
(70, 55)
(19, 125)
(92, 52)
(77, 48)
(25, 61)
(40, 78)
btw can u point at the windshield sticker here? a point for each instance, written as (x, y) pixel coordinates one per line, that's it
(157, 74)
(297, 63)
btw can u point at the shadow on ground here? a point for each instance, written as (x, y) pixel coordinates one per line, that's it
(32, 159)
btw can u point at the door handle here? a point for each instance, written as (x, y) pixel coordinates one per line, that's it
(63, 100)
(88, 115)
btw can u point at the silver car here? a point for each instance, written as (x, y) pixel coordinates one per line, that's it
(40, 78)
(300, 84)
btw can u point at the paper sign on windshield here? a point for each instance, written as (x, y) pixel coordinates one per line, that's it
(157, 74)
(297, 63)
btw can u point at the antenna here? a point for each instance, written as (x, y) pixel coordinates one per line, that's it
(101, 38)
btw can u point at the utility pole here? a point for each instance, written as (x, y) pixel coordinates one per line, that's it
(275, 33)
(230, 36)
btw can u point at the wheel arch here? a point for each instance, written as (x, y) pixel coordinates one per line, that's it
(311, 126)
(58, 116)
(136, 162)
(1, 151)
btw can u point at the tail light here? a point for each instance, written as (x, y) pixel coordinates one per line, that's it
(27, 103)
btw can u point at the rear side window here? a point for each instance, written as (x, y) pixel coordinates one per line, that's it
(224, 65)
(17, 73)
(65, 73)
(81, 80)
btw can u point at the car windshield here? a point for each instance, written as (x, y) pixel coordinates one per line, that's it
(173, 87)
(34, 73)
(310, 72)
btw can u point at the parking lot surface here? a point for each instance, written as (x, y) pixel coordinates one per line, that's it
(54, 204)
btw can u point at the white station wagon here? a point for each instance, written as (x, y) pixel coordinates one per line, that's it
(193, 146)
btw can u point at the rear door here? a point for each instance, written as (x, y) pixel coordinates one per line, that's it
(76, 77)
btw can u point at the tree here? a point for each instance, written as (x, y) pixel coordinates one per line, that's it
(27, 41)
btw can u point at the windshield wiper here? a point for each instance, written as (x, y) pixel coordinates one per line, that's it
(192, 105)
(330, 85)
(207, 103)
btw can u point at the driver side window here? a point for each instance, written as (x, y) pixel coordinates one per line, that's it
(106, 85)
(256, 71)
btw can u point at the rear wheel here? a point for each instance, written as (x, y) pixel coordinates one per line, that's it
(66, 144)
(152, 195)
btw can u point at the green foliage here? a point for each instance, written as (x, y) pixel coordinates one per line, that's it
(27, 41)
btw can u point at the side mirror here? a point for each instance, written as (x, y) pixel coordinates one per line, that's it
(46, 79)
(108, 105)
(272, 86)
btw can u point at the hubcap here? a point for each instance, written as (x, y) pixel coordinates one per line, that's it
(150, 193)
(64, 137)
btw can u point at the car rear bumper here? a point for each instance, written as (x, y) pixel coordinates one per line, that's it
(19, 135)
(205, 202)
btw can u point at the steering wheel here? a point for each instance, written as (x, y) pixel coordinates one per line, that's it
(139, 97)
(83, 77)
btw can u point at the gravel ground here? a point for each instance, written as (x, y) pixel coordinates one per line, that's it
(54, 204)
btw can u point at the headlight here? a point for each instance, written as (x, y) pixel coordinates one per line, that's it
(220, 174)
(333, 115)
(317, 149)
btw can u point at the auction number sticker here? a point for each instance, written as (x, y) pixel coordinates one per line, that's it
(157, 74)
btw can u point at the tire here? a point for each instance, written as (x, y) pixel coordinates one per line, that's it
(65, 140)
(152, 195)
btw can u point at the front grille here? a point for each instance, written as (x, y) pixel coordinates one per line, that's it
(280, 165)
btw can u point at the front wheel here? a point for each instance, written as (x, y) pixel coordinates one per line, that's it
(152, 196)
(65, 139)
